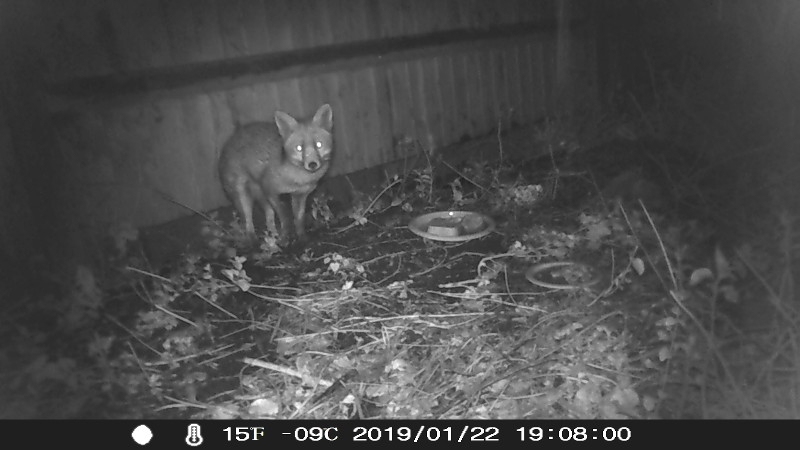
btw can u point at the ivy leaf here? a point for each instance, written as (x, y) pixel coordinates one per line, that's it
(700, 275)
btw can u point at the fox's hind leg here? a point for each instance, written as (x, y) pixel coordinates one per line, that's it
(243, 202)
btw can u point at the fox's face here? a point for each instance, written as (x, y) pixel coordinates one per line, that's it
(307, 144)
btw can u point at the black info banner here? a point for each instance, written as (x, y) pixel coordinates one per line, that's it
(160, 434)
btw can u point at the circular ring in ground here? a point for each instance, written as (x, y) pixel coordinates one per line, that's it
(538, 269)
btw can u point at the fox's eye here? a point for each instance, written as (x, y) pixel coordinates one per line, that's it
(299, 148)
(319, 144)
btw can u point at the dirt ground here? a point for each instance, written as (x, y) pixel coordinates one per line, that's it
(629, 303)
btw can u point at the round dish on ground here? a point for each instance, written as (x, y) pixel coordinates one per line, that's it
(452, 226)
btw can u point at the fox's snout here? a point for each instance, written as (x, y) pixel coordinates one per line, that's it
(314, 156)
(312, 165)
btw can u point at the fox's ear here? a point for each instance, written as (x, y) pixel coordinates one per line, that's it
(286, 124)
(324, 117)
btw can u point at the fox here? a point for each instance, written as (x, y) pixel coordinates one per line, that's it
(263, 160)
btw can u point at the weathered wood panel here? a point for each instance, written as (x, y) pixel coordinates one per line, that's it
(150, 134)
(401, 104)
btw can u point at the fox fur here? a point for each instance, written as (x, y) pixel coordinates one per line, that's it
(263, 160)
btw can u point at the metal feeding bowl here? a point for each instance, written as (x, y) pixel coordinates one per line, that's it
(452, 226)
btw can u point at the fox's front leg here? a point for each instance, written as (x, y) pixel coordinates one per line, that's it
(283, 216)
(299, 208)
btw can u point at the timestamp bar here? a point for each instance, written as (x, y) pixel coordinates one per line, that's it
(154, 434)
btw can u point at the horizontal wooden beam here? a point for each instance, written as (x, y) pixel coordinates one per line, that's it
(108, 90)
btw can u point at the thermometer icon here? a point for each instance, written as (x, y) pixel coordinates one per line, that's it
(193, 438)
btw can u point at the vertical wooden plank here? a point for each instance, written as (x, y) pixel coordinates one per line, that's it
(207, 32)
(366, 115)
(199, 132)
(322, 23)
(156, 51)
(140, 33)
(278, 31)
(372, 20)
(390, 18)
(405, 18)
(222, 118)
(232, 31)
(508, 12)
(446, 85)
(432, 102)
(162, 165)
(182, 140)
(539, 69)
(453, 9)
(418, 109)
(528, 11)
(485, 14)
(339, 30)
(549, 70)
(310, 98)
(490, 103)
(401, 99)
(383, 103)
(588, 61)
(547, 9)
(435, 15)
(347, 131)
(474, 94)
(254, 27)
(398, 105)
(358, 19)
(289, 96)
(422, 17)
(458, 108)
(327, 92)
(501, 83)
(514, 85)
(466, 9)
(327, 87)
(177, 155)
(526, 83)
(266, 102)
(299, 17)
(562, 58)
(347, 20)
(532, 89)
(384, 14)
(289, 100)
(182, 32)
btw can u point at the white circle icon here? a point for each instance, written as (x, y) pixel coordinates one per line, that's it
(142, 435)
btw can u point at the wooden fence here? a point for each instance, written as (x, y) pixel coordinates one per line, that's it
(137, 96)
